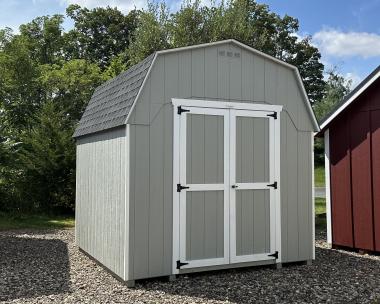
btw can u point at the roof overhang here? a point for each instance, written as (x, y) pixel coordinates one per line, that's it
(351, 98)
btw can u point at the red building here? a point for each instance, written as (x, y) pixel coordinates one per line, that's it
(352, 163)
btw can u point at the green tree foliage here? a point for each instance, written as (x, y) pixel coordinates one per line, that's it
(337, 87)
(99, 34)
(47, 76)
(46, 162)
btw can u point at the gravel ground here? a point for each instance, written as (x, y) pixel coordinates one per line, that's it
(46, 267)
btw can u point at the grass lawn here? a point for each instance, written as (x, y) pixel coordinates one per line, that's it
(319, 176)
(8, 221)
(320, 213)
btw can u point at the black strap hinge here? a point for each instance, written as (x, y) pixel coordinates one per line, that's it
(274, 115)
(180, 187)
(181, 110)
(180, 264)
(275, 255)
(274, 185)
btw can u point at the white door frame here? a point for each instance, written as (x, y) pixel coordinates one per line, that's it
(274, 144)
(203, 187)
(212, 106)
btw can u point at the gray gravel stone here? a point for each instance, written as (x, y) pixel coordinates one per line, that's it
(46, 267)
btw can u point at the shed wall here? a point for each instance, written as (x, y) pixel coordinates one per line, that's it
(206, 74)
(355, 171)
(101, 197)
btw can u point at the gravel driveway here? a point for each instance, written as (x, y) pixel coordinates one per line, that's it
(46, 267)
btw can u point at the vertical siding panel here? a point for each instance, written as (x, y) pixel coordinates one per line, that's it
(375, 133)
(292, 94)
(259, 79)
(168, 188)
(270, 82)
(341, 208)
(184, 77)
(198, 72)
(132, 201)
(223, 74)
(304, 224)
(211, 72)
(172, 89)
(282, 88)
(247, 75)
(361, 180)
(235, 74)
(292, 180)
(141, 175)
(284, 187)
(155, 93)
(156, 210)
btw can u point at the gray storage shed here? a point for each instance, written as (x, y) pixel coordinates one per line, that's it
(197, 158)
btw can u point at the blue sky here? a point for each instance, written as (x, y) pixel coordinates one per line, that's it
(347, 32)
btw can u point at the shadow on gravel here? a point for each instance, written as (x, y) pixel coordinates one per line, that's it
(31, 267)
(335, 276)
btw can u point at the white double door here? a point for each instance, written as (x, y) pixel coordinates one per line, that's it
(226, 185)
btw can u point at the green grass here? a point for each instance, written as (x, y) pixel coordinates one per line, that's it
(319, 176)
(320, 213)
(8, 221)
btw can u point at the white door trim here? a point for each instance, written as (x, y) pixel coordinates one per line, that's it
(226, 105)
(274, 176)
(178, 175)
(202, 187)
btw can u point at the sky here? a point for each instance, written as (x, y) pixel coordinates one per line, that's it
(347, 32)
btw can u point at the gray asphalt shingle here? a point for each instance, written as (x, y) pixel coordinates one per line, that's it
(111, 102)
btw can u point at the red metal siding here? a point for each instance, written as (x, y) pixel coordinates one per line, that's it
(375, 130)
(355, 173)
(361, 180)
(340, 184)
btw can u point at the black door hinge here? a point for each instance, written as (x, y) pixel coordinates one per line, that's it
(274, 115)
(274, 185)
(275, 255)
(180, 187)
(180, 264)
(180, 110)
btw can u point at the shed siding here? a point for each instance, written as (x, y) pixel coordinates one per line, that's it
(239, 76)
(100, 197)
(355, 171)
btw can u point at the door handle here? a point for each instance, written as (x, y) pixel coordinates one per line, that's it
(234, 186)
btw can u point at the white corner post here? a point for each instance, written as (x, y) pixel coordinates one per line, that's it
(313, 193)
(327, 185)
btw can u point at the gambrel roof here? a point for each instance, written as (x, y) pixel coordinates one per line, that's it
(112, 102)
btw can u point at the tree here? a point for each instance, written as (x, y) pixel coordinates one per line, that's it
(70, 85)
(46, 163)
(43, 37)
(336, 88)
(20, 91)
(150, 35)
(99, 34)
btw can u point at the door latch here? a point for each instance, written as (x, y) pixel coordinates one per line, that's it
(234, 186)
